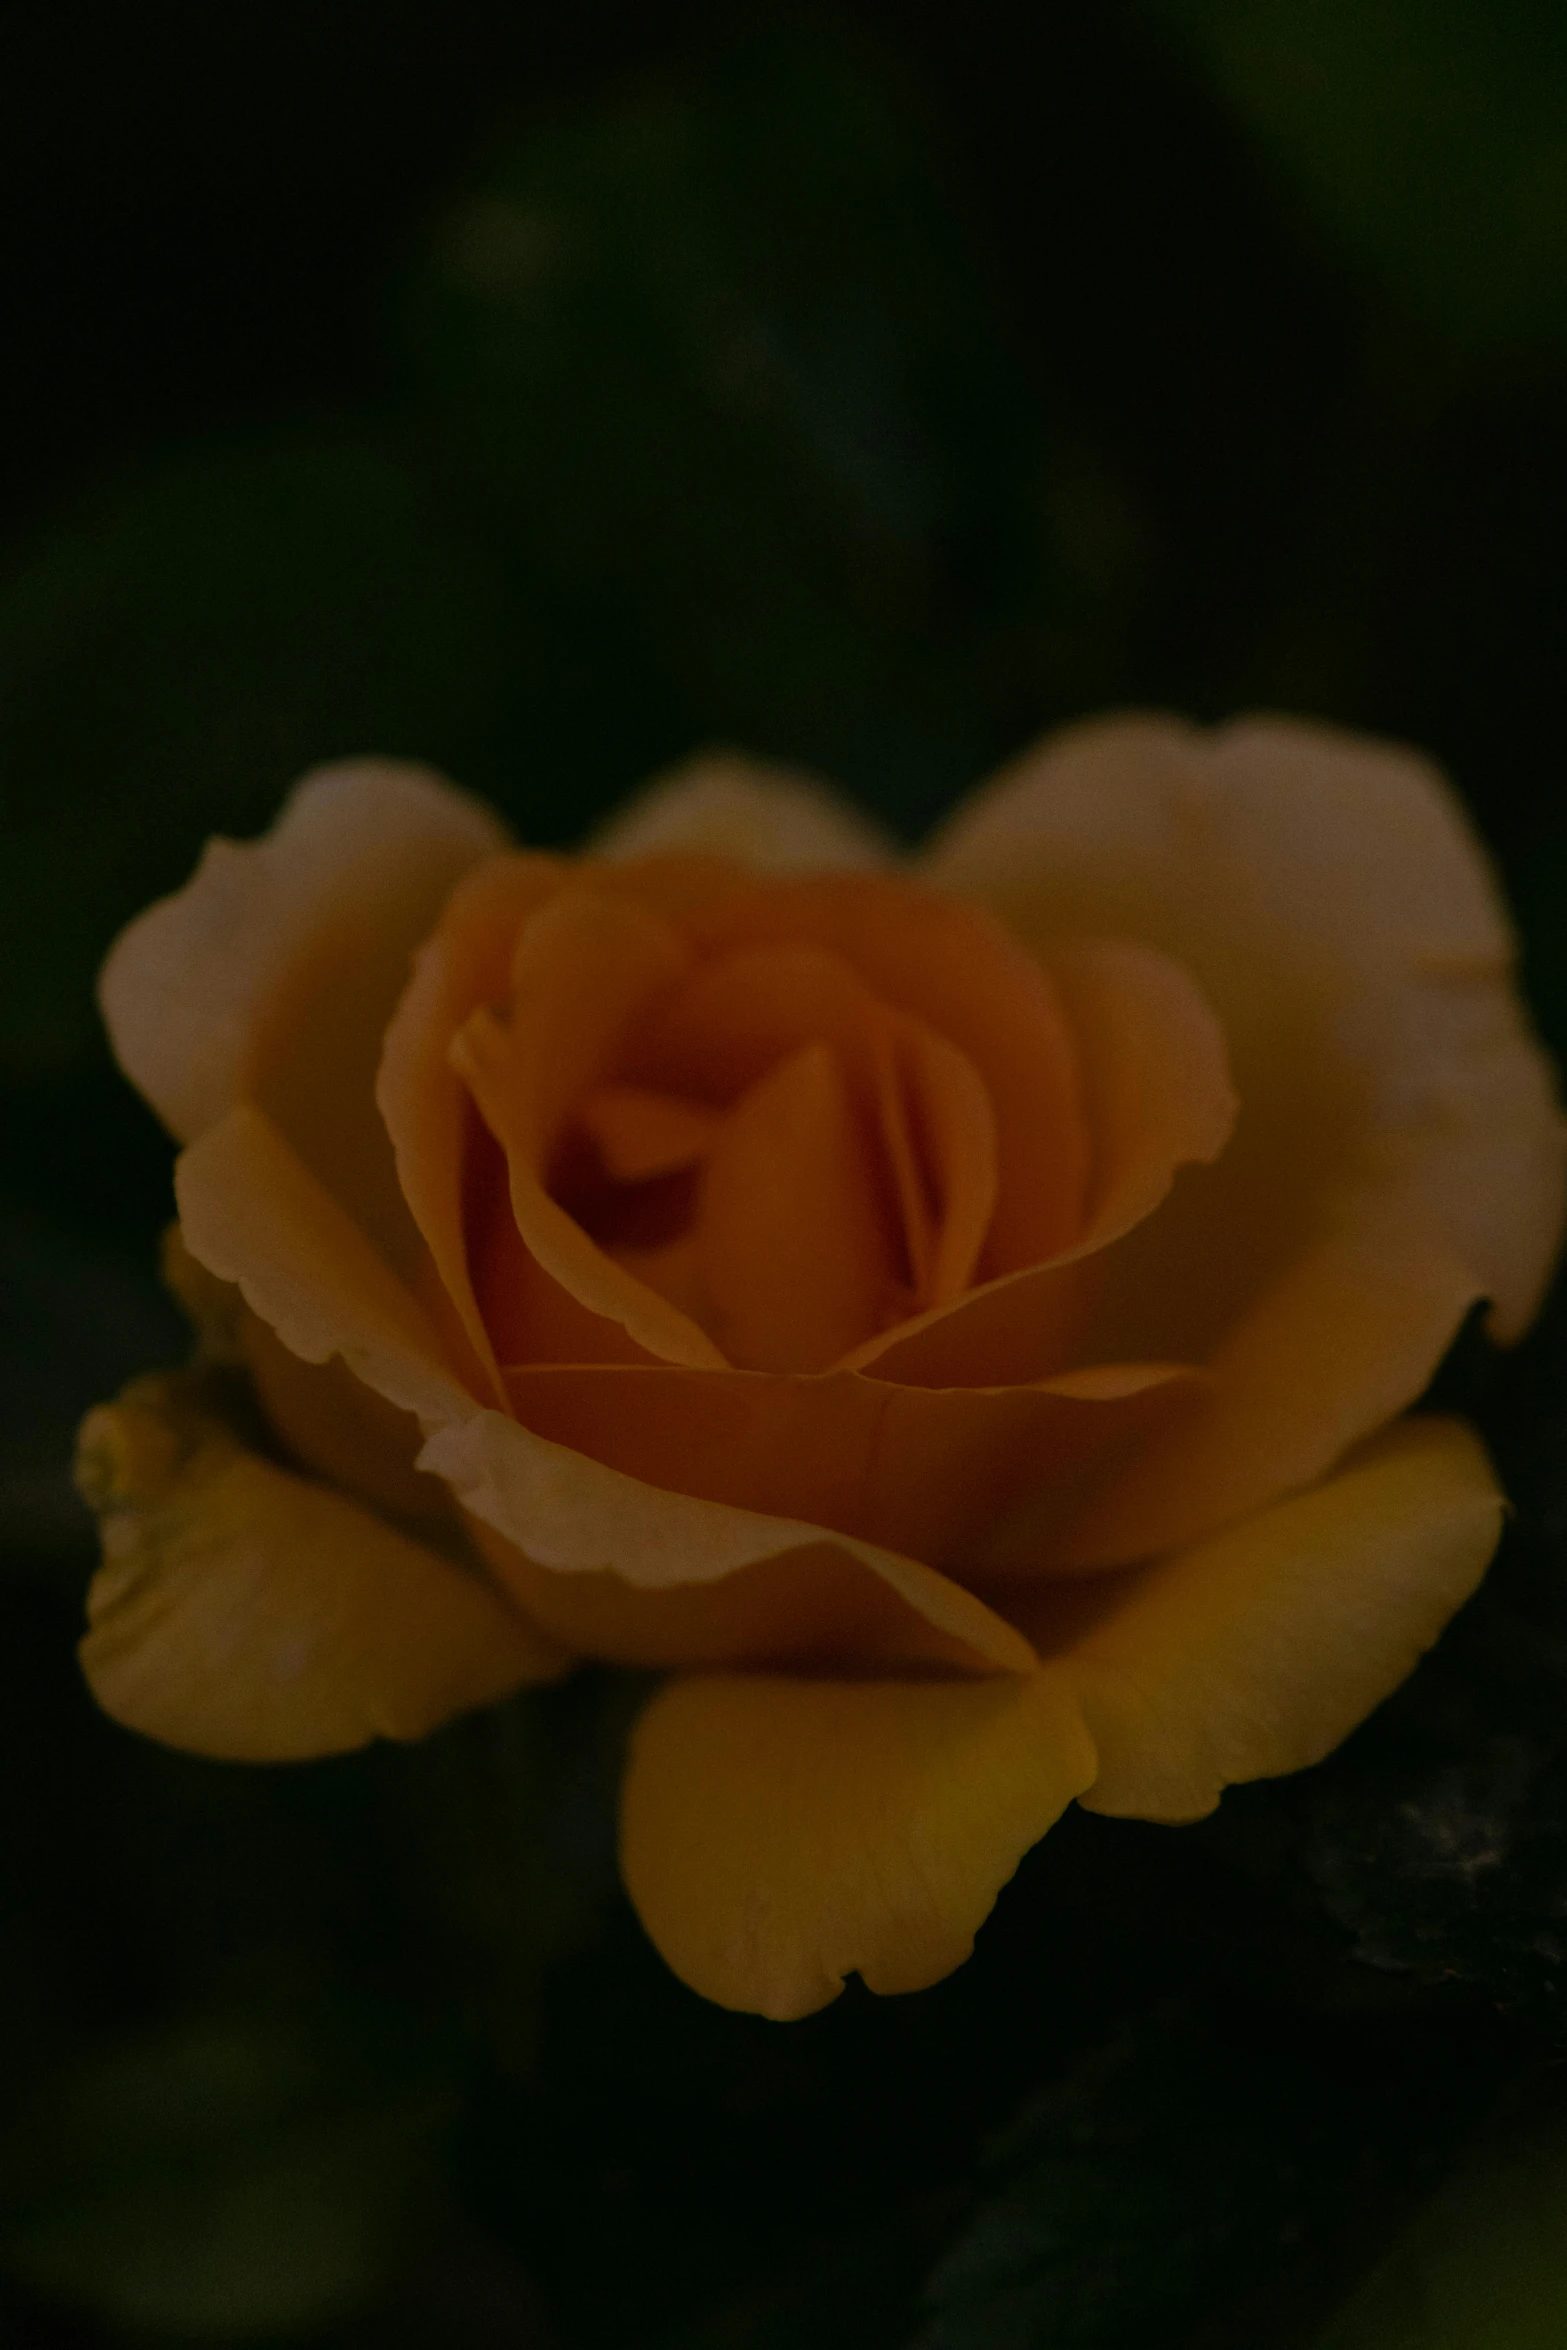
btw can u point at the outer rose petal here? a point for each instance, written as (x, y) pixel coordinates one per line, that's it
(252, 1214)
(931, 1473)
(1256, 1652)
(271, 976)
(573, 1516)
(1398, 1147)
(778, 1834)
(245, 1613)
(774, 819)
(816, 1608)
(342, 1430)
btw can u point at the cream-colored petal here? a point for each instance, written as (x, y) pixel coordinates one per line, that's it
(574, 1516)
(772, 818)
(1398, 1151)
(778, 1835)
(1254, 1653)
(249, 1614)
(271, 976)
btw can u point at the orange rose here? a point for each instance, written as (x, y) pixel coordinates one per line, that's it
(955, 1315)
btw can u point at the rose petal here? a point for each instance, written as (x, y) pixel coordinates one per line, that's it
(1159, 1098)
(1397, 1134)
(574, 1516)
(957, 1146)
(928, 1126)
(245, 1613)
(272, 974)
(816, 1607)
(529, 1316)
(640, 1133)
(585, 965)
(789, 1249)
(253, 1214)
(960, 973)
(333, 1424)
(1257, 1651)
(1155, 1074)
(929, 1473)
(1339, 1342)
(423, 1102)
(777, 1835)
(772, 819)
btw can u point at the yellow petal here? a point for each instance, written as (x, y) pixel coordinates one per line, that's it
(1398, 1150)
(271, 976)
(774, 819)
(778, 1835)
(1255, 1653)
(245, 1613)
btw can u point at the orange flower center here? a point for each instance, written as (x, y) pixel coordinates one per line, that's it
(791, 1115)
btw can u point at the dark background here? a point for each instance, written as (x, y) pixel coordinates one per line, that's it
(1229, 371)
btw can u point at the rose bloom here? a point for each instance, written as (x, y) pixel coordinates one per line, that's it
(956, 1317)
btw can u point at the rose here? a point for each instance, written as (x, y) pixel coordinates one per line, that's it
(958, 1317)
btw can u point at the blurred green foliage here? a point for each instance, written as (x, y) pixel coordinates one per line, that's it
(175, 653)
(1428, 136)
(244, 2174)
(727, 364)
(871, 408)
(1481, 2268)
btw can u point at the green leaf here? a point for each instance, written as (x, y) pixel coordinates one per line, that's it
(243, 2173)
(719, 359)
(1484, 2267)
(1428, 136)
(1168, 2176)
